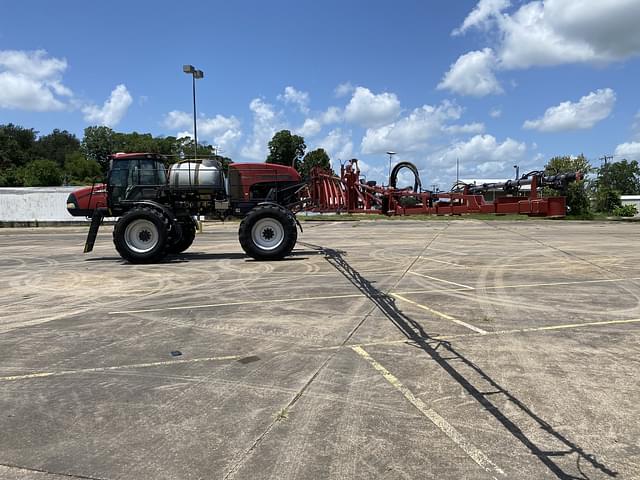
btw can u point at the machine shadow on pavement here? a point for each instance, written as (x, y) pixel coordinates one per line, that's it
(445, 355)
(195, 256)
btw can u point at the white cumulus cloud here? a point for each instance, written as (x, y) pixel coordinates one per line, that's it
(412, 133)
(629, 151)
(223, 132)
(313, 126)
(338, 145)
(113, 109)
(473, 74)
(266, 122)
(482, 156)
(580, 115)
(370, 110)
(295, 97)
(542, 33)
(344, 89)
(483, 12)
(32, 80)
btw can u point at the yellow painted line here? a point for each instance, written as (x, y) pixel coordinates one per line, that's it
(445, 427)
(530, 285)
(250, 302)
(580, 325)
(442, 261)
(447, 251)
(461, 285)
(440, 314)
(119, 367)
(540, 329)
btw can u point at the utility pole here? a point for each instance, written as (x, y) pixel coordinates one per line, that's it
(604, 158)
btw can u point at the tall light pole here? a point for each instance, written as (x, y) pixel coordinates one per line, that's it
(517, 171)
(191, 70)
(391, 154)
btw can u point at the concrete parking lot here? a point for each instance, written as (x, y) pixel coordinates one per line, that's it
(380, 349)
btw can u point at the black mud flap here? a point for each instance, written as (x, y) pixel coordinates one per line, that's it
(96, 221)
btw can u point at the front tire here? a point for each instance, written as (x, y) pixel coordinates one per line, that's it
(141, 235)
(188, 229)
(268, 232)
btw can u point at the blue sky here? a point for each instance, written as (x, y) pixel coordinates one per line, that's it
(492, 83)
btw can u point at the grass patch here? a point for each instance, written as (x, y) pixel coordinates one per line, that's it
(282, 414)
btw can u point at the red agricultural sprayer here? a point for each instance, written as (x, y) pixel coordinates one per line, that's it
(156, 207)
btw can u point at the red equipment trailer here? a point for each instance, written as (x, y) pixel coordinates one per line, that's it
(350, 193)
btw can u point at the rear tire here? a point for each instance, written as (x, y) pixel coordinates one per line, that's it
(141, 235)
(188, 228)
(268, 232)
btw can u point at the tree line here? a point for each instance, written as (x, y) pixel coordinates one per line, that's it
(600, 188)
(31, 160)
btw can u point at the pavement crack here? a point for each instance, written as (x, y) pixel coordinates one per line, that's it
(48, 472)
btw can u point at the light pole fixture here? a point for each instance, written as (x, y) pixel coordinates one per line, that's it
(191, 70)
(391, 154)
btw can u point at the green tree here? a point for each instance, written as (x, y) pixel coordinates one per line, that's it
(56, 146)
(41, 173)
(607, 200)
(169, 146)
(315, 158)
(10, 177)
(16, 145)
(286, 149)
(134, 142)
(623, 177)
(79, 170)
(578, 202)
(98, 143)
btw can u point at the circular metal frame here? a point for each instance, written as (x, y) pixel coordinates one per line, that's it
(267, 234)
(141, 235)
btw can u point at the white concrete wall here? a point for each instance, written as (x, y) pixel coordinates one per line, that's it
(631, 200)
(43, 204)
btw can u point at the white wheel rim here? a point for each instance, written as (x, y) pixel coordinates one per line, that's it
(267, 234)
(141, 235)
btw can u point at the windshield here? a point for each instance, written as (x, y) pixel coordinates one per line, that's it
(129, 177)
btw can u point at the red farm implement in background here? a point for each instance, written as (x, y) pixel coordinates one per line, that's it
(350, 193)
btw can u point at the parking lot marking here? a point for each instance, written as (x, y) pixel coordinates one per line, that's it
(528, 285)
(228, 304)
(445, 427)
(461, 288)
(447, 251)
(442, 261)
(568, 326)
(579, 325)
(443, 281)
(440, 314)
(118, 367)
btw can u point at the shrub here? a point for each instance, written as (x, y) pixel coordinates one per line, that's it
(625, 211)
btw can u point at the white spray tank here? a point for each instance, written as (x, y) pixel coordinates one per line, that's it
(206, 174)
